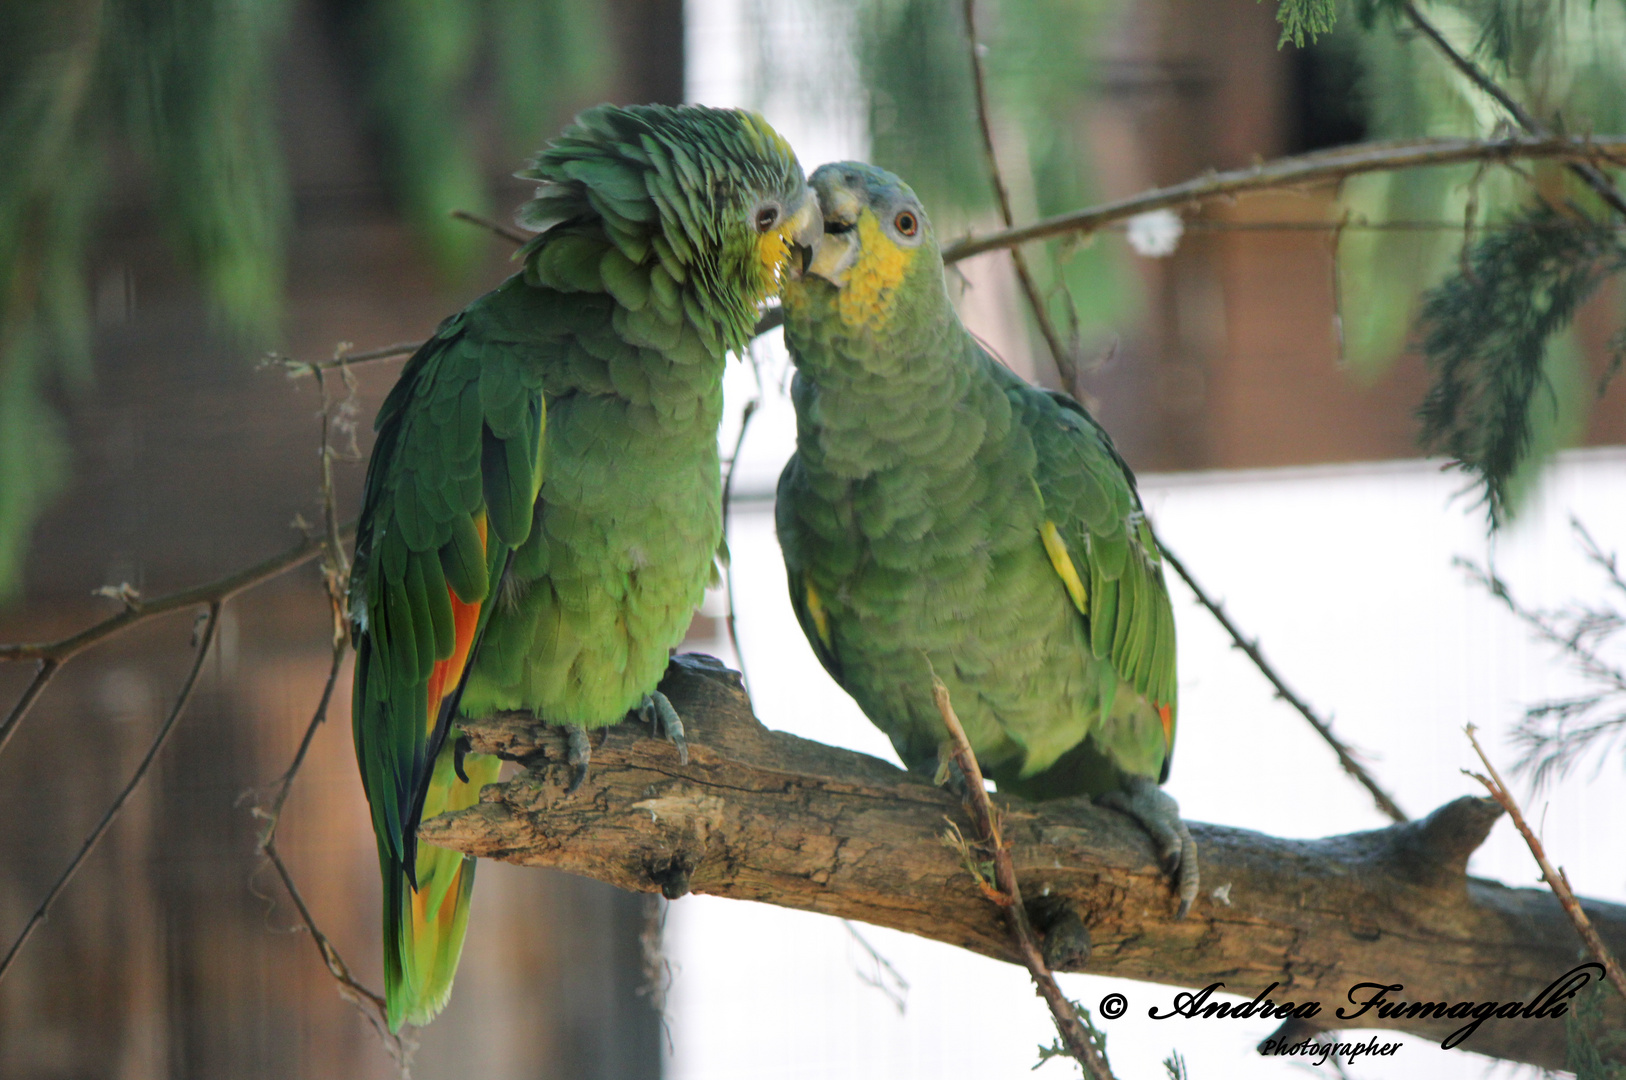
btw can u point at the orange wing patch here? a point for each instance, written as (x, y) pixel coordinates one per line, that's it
(447, 673)
(1166, 714)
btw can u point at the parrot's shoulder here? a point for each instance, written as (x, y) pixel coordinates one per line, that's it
(1085, 482)
(1098, 539)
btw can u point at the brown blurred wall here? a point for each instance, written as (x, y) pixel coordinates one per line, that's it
(175, 952)
(1236, 364)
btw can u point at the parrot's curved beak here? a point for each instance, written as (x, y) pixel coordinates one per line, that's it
(838, 247)
(806, 229)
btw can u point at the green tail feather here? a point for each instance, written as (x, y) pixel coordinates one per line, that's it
(424, 930)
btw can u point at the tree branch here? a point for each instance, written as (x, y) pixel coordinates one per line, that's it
(507, 232)
(54, 654)
(1007, 894)
(1316, 168)
(1556, 880)
(1588, 172)
(137, 610)
(1065, 366)
(205, 640)
(762, 815)
(346, 359)
(1346, 755)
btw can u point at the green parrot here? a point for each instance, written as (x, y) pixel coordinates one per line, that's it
(942, 516)
(543, 504)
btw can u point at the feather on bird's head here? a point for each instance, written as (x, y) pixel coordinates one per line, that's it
(877, 238)
(690, 208)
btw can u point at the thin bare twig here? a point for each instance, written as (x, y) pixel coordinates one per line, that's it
(1346, 756)
(1589, 173)
(507, 232)
(369, 1003)
(42, 678)
(345, 359)
(335, 576)
(1555, 879)
(1338, 286)
(888, 980)
(138, 611)
(1075, 1036)
(1065, 365)
(54, 654)
(1302, 170)
(746, 414)
(205, 640)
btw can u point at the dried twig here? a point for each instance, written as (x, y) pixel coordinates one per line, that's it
(1555, 879)
(222, 589)
(1589, 173)
(42, 678)
(369, 1003)
(1065, 365)
(1305, 169)
(205, 640)
(335, 576)
(887, 979)
(1337, 284)
(1346, 756)
(746, 414)
(54, 654)
(1074, 1035)
(507, 232)
(345, 359)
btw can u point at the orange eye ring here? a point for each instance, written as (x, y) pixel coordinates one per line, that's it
(906, 223)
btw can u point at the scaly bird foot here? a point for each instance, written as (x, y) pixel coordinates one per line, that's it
(1159, 815)
(580, 756)
(656, 711)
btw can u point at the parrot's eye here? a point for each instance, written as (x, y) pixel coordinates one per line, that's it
(767, 218)
(906, 223)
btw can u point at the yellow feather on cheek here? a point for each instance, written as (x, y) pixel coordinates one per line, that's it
(773, 249)
(866, 295)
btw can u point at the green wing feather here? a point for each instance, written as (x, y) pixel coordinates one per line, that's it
(458, 456)
(468, 578)
(1090, 497)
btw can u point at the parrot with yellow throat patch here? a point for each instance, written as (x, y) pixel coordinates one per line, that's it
(941, 516)
(543, 503)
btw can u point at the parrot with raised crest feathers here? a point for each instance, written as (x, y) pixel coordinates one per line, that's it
(941, 517)
(543, 504)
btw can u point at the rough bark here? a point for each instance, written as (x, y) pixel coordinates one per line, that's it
(762, 815)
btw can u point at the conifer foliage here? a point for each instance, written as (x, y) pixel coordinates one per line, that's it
(1485, 332)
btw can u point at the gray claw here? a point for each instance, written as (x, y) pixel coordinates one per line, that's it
(580, 756)
(658, 713)
(1159, 815)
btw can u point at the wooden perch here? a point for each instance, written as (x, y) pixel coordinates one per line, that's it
(762, 815)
